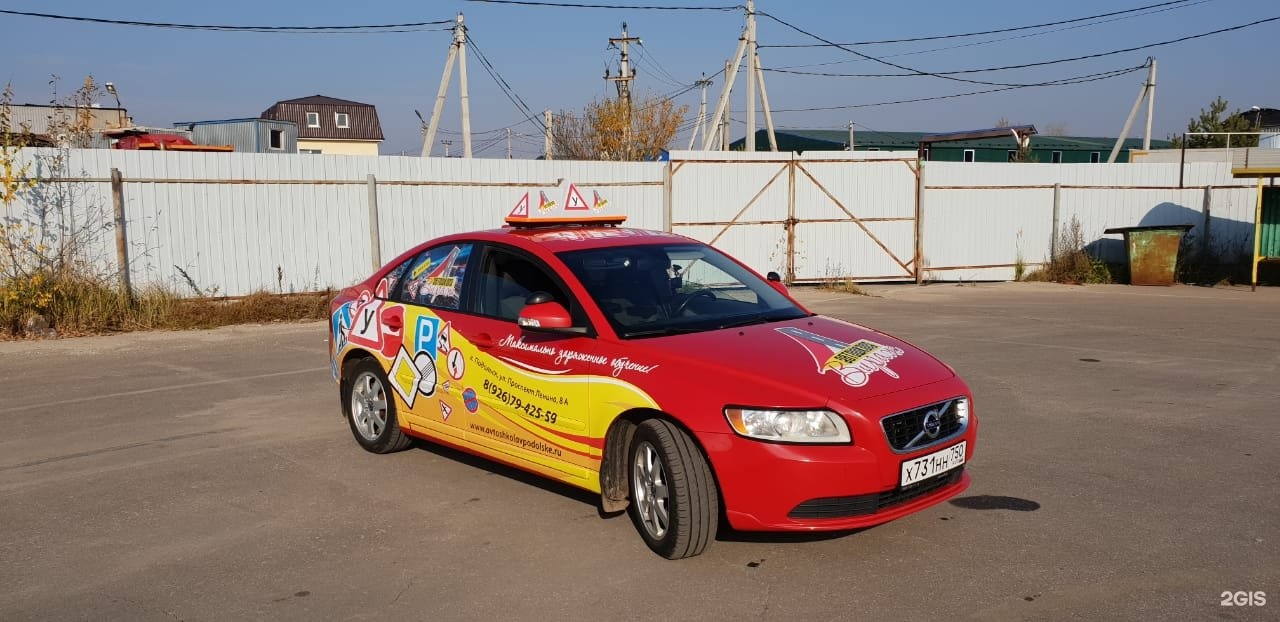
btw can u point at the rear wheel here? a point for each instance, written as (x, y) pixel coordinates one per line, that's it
(371, 409)
(674, 502)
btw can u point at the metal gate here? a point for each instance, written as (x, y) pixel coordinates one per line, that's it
(811, 218)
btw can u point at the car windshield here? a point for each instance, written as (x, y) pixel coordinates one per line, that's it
(664, 289)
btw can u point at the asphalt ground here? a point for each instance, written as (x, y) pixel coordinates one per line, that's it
(1128, 467)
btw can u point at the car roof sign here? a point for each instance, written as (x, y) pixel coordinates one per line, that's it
(574, 209)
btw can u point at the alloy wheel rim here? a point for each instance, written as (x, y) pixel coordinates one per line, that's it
(369, 406)
(649, 485)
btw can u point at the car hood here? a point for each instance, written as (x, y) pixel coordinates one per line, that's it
(809, 360)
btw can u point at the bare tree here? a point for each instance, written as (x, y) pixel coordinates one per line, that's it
(613, 129)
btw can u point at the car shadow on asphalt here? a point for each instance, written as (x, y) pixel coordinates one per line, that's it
(512, 473)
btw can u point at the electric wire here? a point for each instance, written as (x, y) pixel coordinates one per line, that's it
(506, 89)
(984, 32)
(402, 27)
(630, 7)
(1065, 81)
(946, 74)
(999, 40)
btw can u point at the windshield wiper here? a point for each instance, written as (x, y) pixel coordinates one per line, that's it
(669, 330)
(760, 319)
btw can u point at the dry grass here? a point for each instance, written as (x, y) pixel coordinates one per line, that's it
(844, 286)
(45, 305)
(1071, 264)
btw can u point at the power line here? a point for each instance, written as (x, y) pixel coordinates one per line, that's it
(948, 74)
(974, 34)
(912, 71)
(1065, 81)
(1001, 39)
(237, 28)
(574, 5)
(515, 98)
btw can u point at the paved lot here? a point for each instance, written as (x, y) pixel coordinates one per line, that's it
(1128, 467)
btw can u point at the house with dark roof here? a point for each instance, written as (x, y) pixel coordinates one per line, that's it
(1047, 149)
(330, 125)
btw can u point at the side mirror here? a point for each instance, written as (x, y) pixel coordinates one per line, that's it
(775, 280)
(542, 313)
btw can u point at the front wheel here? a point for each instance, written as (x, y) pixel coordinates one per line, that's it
(371, 409)
(674, 502)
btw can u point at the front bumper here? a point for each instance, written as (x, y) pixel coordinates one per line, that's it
(791, 487)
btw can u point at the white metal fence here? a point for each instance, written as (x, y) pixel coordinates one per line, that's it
(236, 223)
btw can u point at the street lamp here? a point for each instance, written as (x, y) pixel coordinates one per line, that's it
(111, 88)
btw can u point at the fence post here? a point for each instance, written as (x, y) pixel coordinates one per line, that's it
(375, 238)
(791, 218)
(666, 197)
(1205, 244)
(122, 241)
(1057, 205)
(919, 258)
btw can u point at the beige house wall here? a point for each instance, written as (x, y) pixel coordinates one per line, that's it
(340, 147)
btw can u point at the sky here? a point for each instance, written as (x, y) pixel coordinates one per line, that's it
(555, 58)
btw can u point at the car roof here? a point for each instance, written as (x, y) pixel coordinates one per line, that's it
(559, 238)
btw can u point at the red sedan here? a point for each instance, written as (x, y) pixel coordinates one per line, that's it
(652, 369)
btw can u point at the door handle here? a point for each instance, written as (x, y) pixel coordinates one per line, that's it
(483, 341)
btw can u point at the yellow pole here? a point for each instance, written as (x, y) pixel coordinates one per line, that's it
(1257, 236)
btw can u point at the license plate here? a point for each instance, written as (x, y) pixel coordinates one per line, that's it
(937, 462)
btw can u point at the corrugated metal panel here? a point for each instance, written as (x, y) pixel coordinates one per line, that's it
(247, 136)
(233, 231)
(362, 119)
(37, 119)
(977, 215)
(238, 237)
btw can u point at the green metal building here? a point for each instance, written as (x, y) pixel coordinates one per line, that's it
(1047, 149)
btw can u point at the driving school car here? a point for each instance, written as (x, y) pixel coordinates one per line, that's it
(652, 369)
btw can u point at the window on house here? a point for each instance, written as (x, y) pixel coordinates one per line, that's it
(1095, 157)
(341, 120)
(968, 155)
(276, 139)
(1056, 157)
(313, 119)
(1013, 155)
(311, 151)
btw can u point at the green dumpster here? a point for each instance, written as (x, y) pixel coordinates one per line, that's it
(1153, 252)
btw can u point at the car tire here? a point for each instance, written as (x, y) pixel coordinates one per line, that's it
(674, 502)
(371, 408)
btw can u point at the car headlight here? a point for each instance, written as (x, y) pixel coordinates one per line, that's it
(789, 426)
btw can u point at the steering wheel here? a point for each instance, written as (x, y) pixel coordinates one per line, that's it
(701, 293)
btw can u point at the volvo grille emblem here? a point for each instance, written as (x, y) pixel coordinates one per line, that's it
(932, 423)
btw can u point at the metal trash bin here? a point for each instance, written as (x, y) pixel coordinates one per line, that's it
(1153, 252)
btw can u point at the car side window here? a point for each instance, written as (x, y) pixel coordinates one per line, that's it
(434, 278)
(505, 281)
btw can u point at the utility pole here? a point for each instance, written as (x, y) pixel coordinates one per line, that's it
(1148, 90)
(1151, 105)
(751, 75)
(457, 53)
(508, 143)
(446, 144)
(700, 126)
(546, 140)
(851, 137)
(747, 41)
(625, 73)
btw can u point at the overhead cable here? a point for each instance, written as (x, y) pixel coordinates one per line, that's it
(983, 32)
(237, 28)
(632, 7)
(945, 74)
